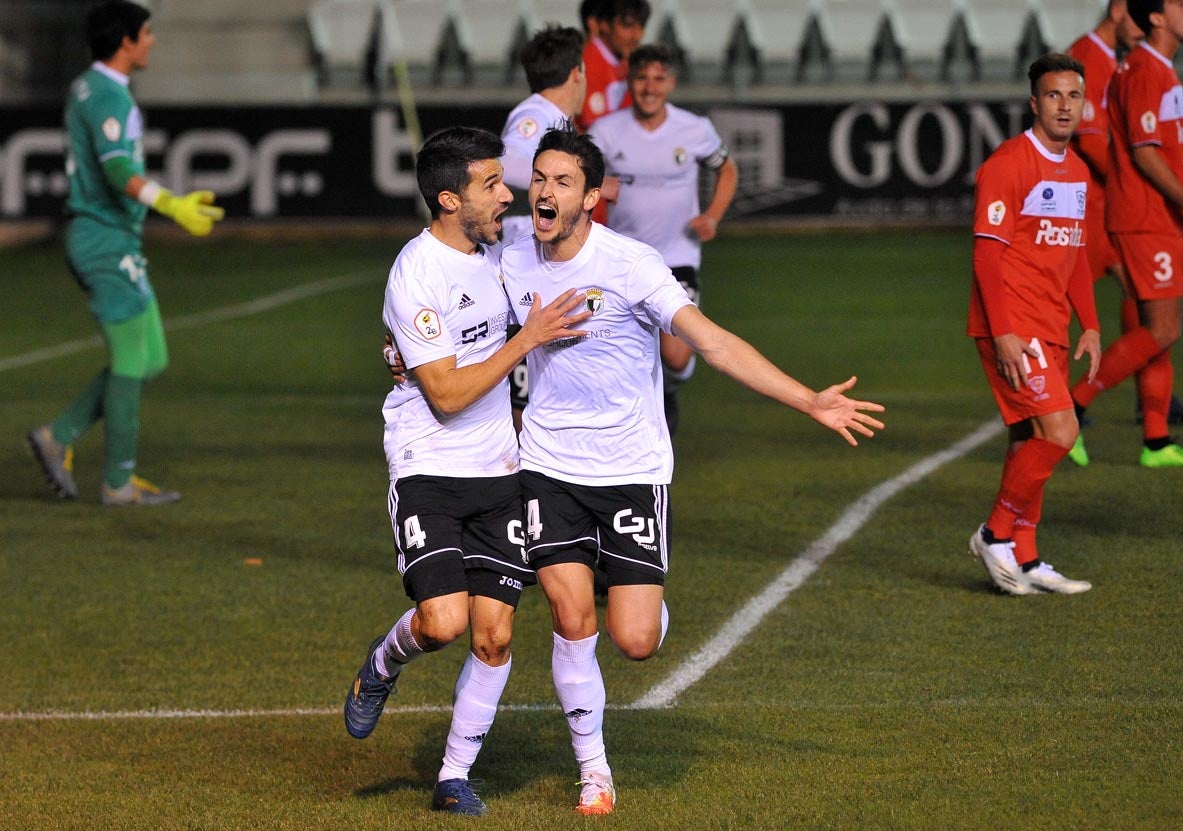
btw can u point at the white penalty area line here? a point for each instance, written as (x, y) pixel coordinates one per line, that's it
(690, 671)
(743, 622)
(251, 307)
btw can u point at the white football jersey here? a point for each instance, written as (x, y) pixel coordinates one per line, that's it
(596, 414)
(523, 130)
(658, 170)
(442, 302)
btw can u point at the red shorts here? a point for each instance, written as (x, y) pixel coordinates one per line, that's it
(1047, 382)
(1153, 263)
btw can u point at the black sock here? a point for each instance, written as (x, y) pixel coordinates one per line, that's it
(1033, 564)
(1157, 444)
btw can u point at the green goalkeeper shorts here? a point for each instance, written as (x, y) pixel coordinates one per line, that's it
(109, 265)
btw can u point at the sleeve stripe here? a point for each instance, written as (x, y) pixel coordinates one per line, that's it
(112, 154)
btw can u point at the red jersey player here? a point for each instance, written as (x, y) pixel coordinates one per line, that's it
(620, 26)
(1144, 200)
(1029, 276)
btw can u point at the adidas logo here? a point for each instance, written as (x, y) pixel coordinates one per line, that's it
(475, 739)
(526, 300)
(466, 301)
(578, 713)
(619, 155)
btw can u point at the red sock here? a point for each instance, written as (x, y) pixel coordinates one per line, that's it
(1023, 477)
(1024, 533)
(1129, 315)
(1155, 381)
(1123, 358)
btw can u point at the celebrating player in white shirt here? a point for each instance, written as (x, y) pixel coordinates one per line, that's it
(455, 500)
(595, 451)
(656, 150)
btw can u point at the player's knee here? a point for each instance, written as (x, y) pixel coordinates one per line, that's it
(637, 646)
(439, 630)
(1165, 332)
(491, 647)
(155, 369)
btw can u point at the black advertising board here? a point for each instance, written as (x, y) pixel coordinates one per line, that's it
(866, 160)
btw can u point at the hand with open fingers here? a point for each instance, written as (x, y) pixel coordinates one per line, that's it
(1089, 344)
(555, 320)
(833, 409)
(195, 211)
(394, 360)
(1013, 354)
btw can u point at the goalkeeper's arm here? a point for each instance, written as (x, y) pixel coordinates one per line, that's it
(195, 211)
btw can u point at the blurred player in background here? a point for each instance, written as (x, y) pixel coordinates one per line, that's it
(1097, 53)
(595, 451)
(1029, 274)
(109, 196)
(656, 150)
(455, 500)
(619, 29)
(1144, 200)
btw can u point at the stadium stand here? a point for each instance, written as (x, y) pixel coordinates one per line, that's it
(1063, 21)
(310, 50)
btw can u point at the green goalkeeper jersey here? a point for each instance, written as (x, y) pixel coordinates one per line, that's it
(102, 123)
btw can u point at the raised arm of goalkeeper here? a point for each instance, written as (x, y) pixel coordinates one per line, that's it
(194, 211)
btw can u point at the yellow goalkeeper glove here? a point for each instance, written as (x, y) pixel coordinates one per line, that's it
(195, 212)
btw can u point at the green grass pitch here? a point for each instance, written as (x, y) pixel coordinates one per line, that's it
(892, 690)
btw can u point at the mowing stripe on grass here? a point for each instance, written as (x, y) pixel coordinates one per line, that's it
(694, 668)
(251, 307)
(743, 622)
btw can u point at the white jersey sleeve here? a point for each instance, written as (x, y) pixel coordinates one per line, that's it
(523, 130)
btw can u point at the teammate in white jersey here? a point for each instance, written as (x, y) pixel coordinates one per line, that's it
(455, 501)
(656, 151)
(595, 451)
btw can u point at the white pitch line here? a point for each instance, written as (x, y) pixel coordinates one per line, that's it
(694, 668)
(251, 307)
(743, 622)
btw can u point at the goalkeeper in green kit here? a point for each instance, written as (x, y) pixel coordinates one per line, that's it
(109, 196)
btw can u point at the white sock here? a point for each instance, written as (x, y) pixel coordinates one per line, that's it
(478, 689)
(401, 647)
(580, 688)
(665, 623)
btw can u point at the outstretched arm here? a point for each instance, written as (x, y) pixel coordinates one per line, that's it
(737, 358)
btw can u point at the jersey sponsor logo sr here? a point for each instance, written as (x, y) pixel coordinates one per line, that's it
(1051, 234)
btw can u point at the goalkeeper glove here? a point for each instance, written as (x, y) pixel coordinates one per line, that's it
(195, 212)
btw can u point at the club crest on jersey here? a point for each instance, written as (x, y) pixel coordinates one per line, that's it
(428, 323)
(527, 127)
(996, 212)
(1149, 122)
(680, 155)
(112, 129)
(595, 299)
(1036, 383)
(597, 103)
(1080, 201)
(1089, 112)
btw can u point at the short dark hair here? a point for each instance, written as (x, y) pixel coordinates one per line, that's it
(589, 9)
(638, 10)
(443, 161)
(648, 53)
(580, 145)
(1140, 11)
(1052, 62)
(550, 55)
(109, 23)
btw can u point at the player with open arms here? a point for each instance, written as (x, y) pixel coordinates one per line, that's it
(656, 151)
(595, 450)
(1144, 197)
(455, 502)
(1029, 274)
(110, 193)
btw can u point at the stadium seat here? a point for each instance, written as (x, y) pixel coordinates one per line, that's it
(414, 31)
(1005, 36)
(341, 32)
(925, 32)
(491, 33)
(1063, 21)
(702, 33)
(859, 36)
(777, 29)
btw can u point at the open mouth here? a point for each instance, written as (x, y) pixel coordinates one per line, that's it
(545, 217)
